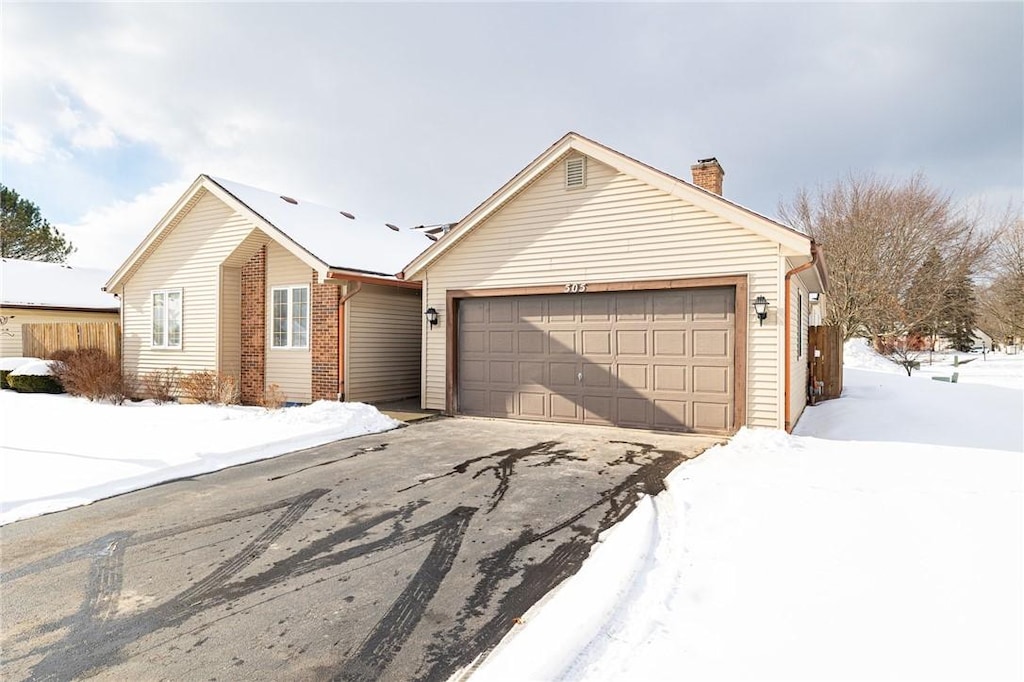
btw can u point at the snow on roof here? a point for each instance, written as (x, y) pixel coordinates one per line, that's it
(329, 235)
(52, 285)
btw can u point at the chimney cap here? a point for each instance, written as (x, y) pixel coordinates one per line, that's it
(710, 159)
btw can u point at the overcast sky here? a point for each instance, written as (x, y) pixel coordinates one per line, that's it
(416, 113)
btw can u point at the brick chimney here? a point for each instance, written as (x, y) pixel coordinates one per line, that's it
(708, 173)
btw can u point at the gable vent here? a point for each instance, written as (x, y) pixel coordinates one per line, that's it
(576, 172)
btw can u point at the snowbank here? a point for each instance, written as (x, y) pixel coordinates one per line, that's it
(60, 452)
(894, 553)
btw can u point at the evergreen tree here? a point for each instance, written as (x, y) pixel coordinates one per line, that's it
(25, 234)
(959, 312)
(924, 300)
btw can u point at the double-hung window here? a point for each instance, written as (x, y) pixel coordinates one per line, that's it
(289, 317)
(166, 318)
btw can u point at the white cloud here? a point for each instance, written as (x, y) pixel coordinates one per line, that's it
(105, 237)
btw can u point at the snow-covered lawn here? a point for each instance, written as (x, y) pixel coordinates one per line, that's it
(58, 452)
(884, 541)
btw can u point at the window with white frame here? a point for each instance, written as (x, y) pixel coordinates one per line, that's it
(166, 318)
(289, 317)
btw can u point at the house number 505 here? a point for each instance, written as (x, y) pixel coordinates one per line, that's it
(575, 287)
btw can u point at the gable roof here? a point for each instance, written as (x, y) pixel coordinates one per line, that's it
(324, 238)
(793, 241)
(25, 283)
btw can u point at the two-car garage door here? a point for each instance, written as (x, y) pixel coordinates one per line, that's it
(656, 359)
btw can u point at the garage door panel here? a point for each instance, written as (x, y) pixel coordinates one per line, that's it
(500, 341)
(669, 341)
(474, 342)
(711, 380)
(598, 409)
(711, 343)
(531, 373)
(473, 311)
(670, 306)
(531, 342)
(473, 401)
(633, 411)
(671, 414)
(562, 309)
(661, 359)
(500, 310)
(564, 408)
(532, 309)
(563, 375)
(474, 370)
(562, 342)
(501, 403)
(712, 304)
(596, 342)
(669, 377)
(711, 416)
(631, 307)
(631, 342)
(632, 376)
(596, 307)
(596, 375)
(501, 372)
(532, 404)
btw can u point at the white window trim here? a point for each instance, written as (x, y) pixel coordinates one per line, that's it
(167, 327)
(288, 320)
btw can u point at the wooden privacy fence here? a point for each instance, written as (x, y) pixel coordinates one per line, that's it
(43, 339)
(826, 363)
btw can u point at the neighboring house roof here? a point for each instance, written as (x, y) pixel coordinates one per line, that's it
(793, 241)
(325, 238)
(32, 284)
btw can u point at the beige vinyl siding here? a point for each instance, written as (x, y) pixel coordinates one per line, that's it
(289, 368)
(189, 257)
(231, 321)
(617, 228)
(11, 320)
(382, 344)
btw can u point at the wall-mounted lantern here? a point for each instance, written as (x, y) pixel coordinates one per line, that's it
(761, 308)
(431, 315)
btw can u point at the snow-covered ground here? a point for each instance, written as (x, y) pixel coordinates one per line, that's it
(57, 451)
(884, 541)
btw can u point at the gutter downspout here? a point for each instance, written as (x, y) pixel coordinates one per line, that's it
(341, 338)
(788, 331)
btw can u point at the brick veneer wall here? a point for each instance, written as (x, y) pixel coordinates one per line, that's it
(254, 325)
(324, 339)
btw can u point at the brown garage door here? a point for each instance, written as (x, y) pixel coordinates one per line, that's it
(657, 359)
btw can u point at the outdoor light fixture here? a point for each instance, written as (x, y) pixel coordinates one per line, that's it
(761, 308)
(431, 316)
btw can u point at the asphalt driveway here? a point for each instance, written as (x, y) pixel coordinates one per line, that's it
(398, 556)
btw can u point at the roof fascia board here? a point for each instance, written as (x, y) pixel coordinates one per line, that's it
(129, 264)
(792, 242)
(490, 205)
(205, 182)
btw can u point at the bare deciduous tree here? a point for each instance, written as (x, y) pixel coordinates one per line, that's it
(877, 235)
(1002, 301)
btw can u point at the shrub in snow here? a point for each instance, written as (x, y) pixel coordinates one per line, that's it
(273, 397)
(210, 387)
(34, 377)
(161, 385)
(91, 373)
(9, 364)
